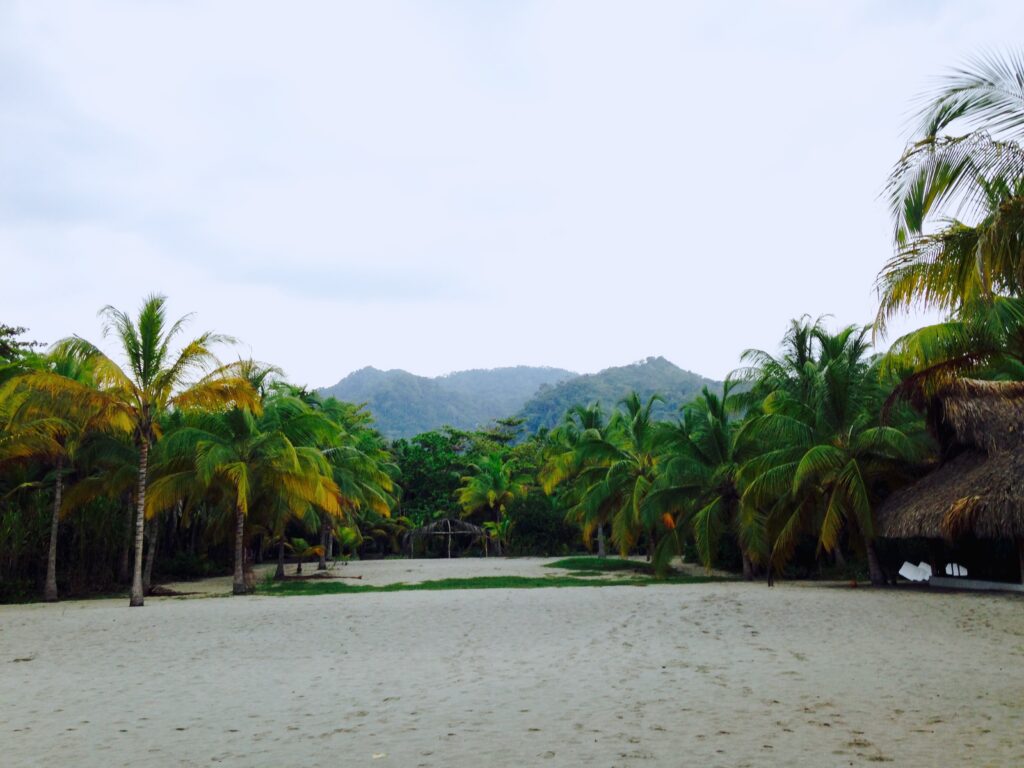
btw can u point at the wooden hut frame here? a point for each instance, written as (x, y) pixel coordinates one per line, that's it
(447, 527)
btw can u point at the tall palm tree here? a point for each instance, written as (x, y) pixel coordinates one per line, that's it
(566, 469)
(58, 409)
(361, 467)
(619, 470)
(824, 454)
(697, 479)
(491, 487)
(157, 378)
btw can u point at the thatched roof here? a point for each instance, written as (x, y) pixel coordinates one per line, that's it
(979, 490)
(982, 414)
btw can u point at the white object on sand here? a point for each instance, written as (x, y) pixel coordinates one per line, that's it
(912, 572)
(955, 569)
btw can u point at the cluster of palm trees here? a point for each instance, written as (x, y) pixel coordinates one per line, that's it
(488, 490)
(807, 442)
(795, 445)
(173, 430)
(800, 445)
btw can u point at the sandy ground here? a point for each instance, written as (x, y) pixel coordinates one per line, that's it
(726, 674)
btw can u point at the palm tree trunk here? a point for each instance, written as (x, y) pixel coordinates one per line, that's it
(238, 584)
(1020, 557)
(875, 571)
(50, 591)
(601, 551)
(279, 573)
(147, 573)
(322, 562)
(137, 596)
(124, 572)
(748, 567)
(330, 544)
(840, 559)
(193, 529)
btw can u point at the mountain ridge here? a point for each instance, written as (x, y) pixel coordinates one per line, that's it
(405, 404)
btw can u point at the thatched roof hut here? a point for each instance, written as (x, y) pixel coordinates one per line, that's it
(979, 486)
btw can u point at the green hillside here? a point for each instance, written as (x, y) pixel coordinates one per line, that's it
(655, 375)
(404, 404)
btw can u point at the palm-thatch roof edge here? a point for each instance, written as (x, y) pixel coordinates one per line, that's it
(983, 414)
(980, 490)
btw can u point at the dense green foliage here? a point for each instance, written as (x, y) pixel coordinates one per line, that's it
(12, 346)
(653, 376)
(405, 405)
(171, 455)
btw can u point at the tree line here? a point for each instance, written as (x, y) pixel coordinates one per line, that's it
(168, 444)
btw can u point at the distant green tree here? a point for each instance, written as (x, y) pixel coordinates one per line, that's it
(431, 467)
(12, 348)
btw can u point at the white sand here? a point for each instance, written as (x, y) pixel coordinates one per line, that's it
(710, 675)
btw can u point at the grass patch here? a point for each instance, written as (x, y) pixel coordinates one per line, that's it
(601, 565)
(327, 587)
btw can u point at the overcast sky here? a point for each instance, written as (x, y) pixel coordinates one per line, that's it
(439, 186)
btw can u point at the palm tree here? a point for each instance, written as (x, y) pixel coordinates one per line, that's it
(618, 472)
(957, 202)
(500, 531)
(945, 170)
(565, 468)
(302, 549)
(491, 487)
(246, 460)
(824, 455)
(58, 409)
(697, 479)
(361, 468)
(157, 379)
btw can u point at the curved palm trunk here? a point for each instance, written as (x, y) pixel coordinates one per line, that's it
(137, 596)
(147, 573)
(238, 583)
(875, 571)
(748, 567)
(279, 573)
(321, 564)
(50, 591)
(601, 550)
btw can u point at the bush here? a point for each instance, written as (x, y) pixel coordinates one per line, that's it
(186, 566)
(540, 529)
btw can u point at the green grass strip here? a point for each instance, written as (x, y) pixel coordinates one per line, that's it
(326, 587)
(604, 564)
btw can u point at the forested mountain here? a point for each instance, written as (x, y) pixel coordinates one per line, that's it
(404, 404)
(655, 375)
